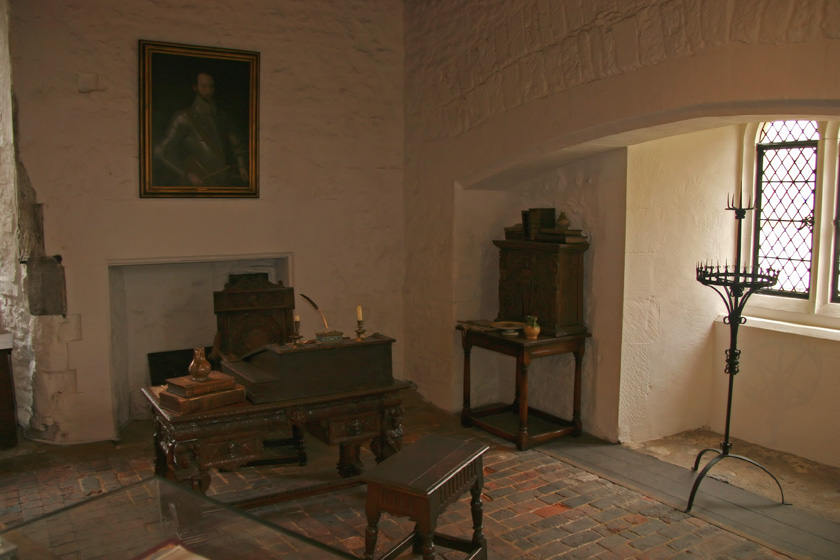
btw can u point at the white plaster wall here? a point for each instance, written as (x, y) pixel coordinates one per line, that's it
(591, 192)
(331, 130)
(785, 396)
(498, 93)
(676, 193)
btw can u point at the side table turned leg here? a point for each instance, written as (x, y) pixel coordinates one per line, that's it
(466, 411)
(522, 364)
(576, 403)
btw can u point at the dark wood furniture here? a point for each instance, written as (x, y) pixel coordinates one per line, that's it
(187, 446)
(420, 482)
(524, 350)
(542, 279)
(275, 371)
(252, 312)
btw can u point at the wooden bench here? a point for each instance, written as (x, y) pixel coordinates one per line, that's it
(419, 482)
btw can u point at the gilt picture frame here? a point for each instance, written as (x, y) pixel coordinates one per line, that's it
(199, 121)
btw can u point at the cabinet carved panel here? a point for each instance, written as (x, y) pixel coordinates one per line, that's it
(545, 280)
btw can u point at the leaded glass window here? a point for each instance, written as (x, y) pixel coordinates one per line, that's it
(835, 266)
(786, 182)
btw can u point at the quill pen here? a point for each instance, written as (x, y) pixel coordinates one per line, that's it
(326, 326)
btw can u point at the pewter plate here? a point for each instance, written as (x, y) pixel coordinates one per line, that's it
(509, 328)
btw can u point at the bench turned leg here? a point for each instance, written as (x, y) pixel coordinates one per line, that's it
(477, 510)
(371, 531)
(425, 530)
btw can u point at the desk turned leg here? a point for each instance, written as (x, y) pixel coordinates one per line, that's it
(349, 460)
(160, 450)
(372, 530)
(178, 461)
(576, 404)
(466, 411)
(390, 437)
(299, 443)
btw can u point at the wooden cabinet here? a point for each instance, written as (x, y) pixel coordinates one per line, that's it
(543, 279)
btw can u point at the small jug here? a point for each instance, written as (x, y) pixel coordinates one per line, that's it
(199, 368)
(532, 328)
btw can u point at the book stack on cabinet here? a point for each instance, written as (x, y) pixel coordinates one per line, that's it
(186, 395)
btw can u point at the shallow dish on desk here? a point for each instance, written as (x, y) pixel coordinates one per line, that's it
(509, 328)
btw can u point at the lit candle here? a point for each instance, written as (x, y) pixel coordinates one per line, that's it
(297, 317)
(359, 312)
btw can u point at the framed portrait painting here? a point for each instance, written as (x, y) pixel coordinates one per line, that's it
(199, 115)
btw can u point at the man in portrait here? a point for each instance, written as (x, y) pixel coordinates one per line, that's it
(202, 145)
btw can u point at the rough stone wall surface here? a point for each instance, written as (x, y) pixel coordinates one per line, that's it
(331, 156)
(468, 61)
(19, 235)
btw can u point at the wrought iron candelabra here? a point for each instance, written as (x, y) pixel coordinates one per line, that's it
(734, 284)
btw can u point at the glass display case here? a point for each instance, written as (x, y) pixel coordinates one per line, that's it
(155, 520)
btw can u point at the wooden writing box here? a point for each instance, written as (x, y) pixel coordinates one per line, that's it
(276, 372)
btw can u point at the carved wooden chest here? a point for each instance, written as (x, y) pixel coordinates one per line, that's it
(276, 372)
(543, 279)
(252, 312)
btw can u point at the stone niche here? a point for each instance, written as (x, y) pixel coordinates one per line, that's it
(160, 306)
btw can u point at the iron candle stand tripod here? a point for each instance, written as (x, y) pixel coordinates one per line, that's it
(734, 284)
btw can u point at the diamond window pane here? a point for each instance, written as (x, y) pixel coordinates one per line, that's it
(788, 131)
(786, 184)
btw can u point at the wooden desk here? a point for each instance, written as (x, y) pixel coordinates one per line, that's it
(187, 446)
(524, 350)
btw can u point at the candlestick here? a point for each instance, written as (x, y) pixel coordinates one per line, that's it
(360, 331)
(358, 312)
(296, 336)
(734, 284)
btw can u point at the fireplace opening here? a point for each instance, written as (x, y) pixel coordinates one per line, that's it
(160, 306)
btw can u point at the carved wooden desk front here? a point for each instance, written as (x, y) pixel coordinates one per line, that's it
(524, 350)
(187, 446)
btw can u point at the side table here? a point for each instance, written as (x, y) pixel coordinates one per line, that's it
(524, 350)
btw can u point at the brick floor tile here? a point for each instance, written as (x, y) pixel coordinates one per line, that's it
(554, 549)
(649, 541)
(535, 507)
(580, 538)
(548, 511)
(589, 550)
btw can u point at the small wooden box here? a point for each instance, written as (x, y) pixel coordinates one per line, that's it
(545, 280)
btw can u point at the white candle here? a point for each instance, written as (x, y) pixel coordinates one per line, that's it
(359, 312)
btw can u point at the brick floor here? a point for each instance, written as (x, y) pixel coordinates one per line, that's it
(535, 507)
